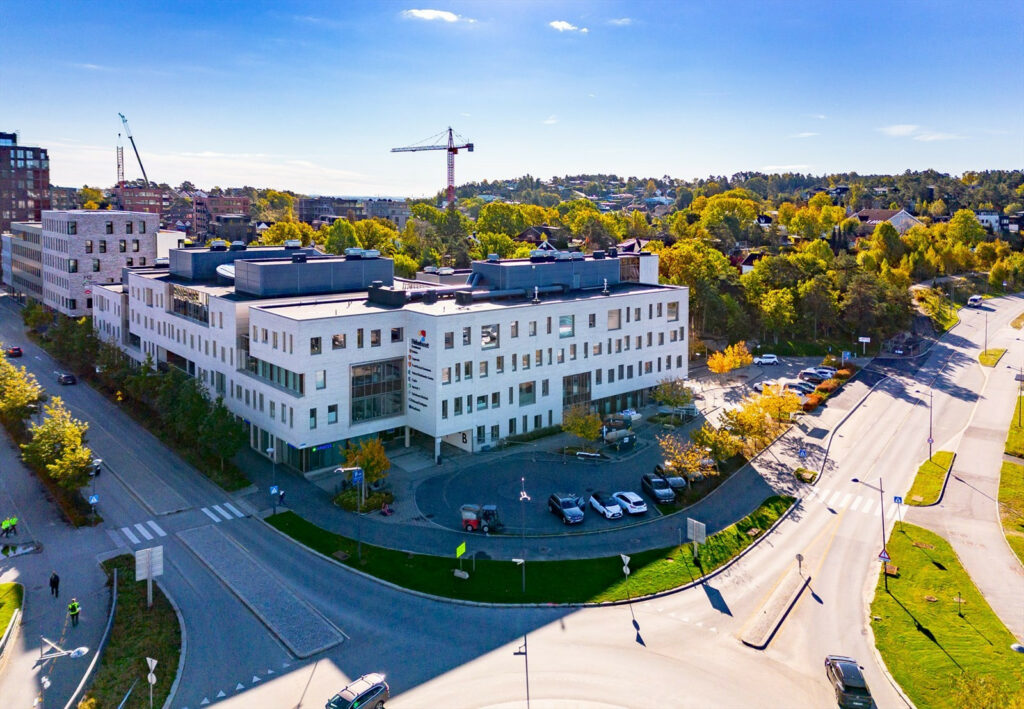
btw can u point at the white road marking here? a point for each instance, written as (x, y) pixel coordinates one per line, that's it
(144, 532)
(856, 503)
(256, 679)
(221, 694)
(211, 515)
(128, 533)
(846, 500)
(116, 538)
(869, 506)
(239, 687)
(220, 511)
(892, 510)
(156, 528)
(204, 702)
(231, 508)
(832, 500)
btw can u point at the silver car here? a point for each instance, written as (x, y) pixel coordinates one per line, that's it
(369, 691)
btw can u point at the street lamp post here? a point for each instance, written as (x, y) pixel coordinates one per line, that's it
(881, 496)
(273, 457)
(523, 499)
(930, 438)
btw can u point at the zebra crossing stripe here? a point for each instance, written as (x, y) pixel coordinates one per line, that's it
(156, 528)
(144, 532)
(233, 510)
(211, 515)
(128, 533)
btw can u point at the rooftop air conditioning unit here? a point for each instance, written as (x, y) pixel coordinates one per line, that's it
(445, 271)
(298, 258)
(237, 246)
(371, 253)
(598, 255)
(218, 245)
(563, 256)
(430, 269)
(293, 244)
(353, 253)
(493, 257)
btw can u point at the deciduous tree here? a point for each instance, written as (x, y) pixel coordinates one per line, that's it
(583, 424)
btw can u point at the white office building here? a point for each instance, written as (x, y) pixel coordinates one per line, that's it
(317, 352)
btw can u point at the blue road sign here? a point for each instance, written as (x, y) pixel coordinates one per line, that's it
(803, 453)
(847, 354)
(897, 499)
(93, 499)
(357, 475)
(884, 556)
(274, 489)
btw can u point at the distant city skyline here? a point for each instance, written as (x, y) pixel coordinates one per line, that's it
(311, 96)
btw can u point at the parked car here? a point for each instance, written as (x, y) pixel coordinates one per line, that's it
(631, 502)
(13, 352)
(974, 301)
(827, 372)
(369, 691)
(675, 481)
(766, 359)
(798, 386)
(65, 378)
(567, 507)
(605, 504)
(760, 386)
(657, 488)
(811, 375)
(847, 681)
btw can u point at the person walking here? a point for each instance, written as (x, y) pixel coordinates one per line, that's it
(14, 526)
(55, 585)
(73, 610)
(280, 497)
(5, 527)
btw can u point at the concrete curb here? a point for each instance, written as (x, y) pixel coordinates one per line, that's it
(945, 483)
(482, 604)
(881, 663)
(72, 702)
(765, 639)
(12, 628)
(184, 645)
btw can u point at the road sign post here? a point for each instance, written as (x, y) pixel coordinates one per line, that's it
(696, 531)
(151, 678)
(899, 509)
(864, 344)
(149, 563)
(800, 563)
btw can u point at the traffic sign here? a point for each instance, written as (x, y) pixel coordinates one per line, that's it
(884, 556)
(695, 531)
(357, 475)
(897, 499)
(865, 340)
(151, 678)
(274, 489)
(94, 499)
(460, 550)
(625, 570)
(152, 663)
(803, 453)
(847, 354)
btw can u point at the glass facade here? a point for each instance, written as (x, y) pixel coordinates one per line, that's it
(377, 390)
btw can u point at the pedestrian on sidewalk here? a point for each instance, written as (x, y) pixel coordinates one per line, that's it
(55, 584)
(280, 497)
(5, 527)
(14, 526)
(73, 610)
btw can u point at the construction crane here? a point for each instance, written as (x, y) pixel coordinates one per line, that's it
(128, 132)
(120, 162)
(451, 148)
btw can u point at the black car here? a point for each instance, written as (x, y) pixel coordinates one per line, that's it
(369, 691)
(675, 481)
(811, 375)
(657, 488)
(847, 681)
(13, 352)
(65, 378)
(567, 507)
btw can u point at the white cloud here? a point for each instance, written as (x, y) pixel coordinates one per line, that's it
(621, 21)
(563, 26)
(818, 116)
(550, 120)
(430, 15)
(805, 134)
(900, 129)
(785, 168)
(928, 136)
(91, 67)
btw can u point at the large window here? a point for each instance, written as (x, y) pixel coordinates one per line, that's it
(338, 341)
(566, 326)
(576, 389)
(673, 312)
(315, 346)
(527, 393)
(377, 390)
(190, 303)
(489, 337)
(614, 319)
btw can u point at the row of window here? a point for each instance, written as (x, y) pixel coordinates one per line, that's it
(122, 245)
(340, 341)
(129, 261)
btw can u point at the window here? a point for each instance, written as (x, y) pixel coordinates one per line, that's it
(72, 303)
(526, 361)
(481, 402)
(110, 227)
(527, 393)
(135, 245)
(636, 314)
(549, 326)
(629, 371)
(359, 338)
(444, 409)
(95, 265)
(514, 360)
(338, 341)
(597, 349)
(374, 338)
(483, 369)
(129, 261)
(103, 245)
(142, 227)
(561, 355)
(488, 337)
(274, 340)
(673, 312)
(597, 376)
(544, 388)
(128, 227)
(321, 378)
(614, 319)
(122, 246)
(468, 369)
(312, 419)
(499, 365)
(648, 367)
(650, 338)
(377, 390)
(458, 406)
(566, 326)
(661, 339)
(538, 421)
(480, 432)
(639, 342)
(495, 432)
(72, 228)
(142, 260)
(495, 399)
(467, 334)
(611, 376)
(88, 246)
(332, 413)
(533, 328)
(659, 310)
(512, 427)
(514, 328)
(72, 265)
(576, 389)
(458, 371)
(539, 357)
(446, 375)
(449, 340)
(397, 334)
(592, 320)
(314, 345)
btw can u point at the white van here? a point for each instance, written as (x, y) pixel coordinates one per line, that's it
(974, 301)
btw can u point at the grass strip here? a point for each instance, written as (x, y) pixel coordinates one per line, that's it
(990, 357)
(592, 580)
(929, 480)
(1011, 506)
(11, 595)
(1015, 436)
(925, 643)
(138, 633)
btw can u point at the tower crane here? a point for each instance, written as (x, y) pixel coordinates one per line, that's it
(128, 132)
(451, 148)
(120, 162)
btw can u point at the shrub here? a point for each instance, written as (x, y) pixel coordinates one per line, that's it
(843, 374)
(349, 500)
(829, 385)
(812, 402)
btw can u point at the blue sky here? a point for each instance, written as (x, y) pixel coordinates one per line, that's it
(311, 96)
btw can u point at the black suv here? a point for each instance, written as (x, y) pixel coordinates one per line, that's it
(369, 691)
(65, 378)
(845, 676)
(657, 488)
(566, 506)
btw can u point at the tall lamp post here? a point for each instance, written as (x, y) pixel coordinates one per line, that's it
(523, 499)
(273, 458)
(930, 438)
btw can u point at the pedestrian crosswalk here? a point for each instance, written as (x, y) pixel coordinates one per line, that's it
(868, 504)
(150, 530)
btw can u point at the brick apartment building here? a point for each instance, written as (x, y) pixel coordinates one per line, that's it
(24, 182)
(205, 207)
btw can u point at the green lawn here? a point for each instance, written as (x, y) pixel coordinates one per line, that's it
(10, 601)
(990, 357)
(929, 479)
(138, 633)
(924, 643)
(1015, 436)
(592, 580)
(1011, 506)
(808, 348)
(941, 310)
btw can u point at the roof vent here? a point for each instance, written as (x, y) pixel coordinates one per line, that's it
(376, 284)
(430, 269)
(353, 253)
(598, 255)
(563, 256)
(293, 244)
(371, 253)
(539, 255)
(298, 258)
(445, 271)
(218, 245)
(493, 257)
(237, 246)
(613, 252)
(430, 297)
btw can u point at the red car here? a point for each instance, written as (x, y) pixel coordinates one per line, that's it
(13, 352)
